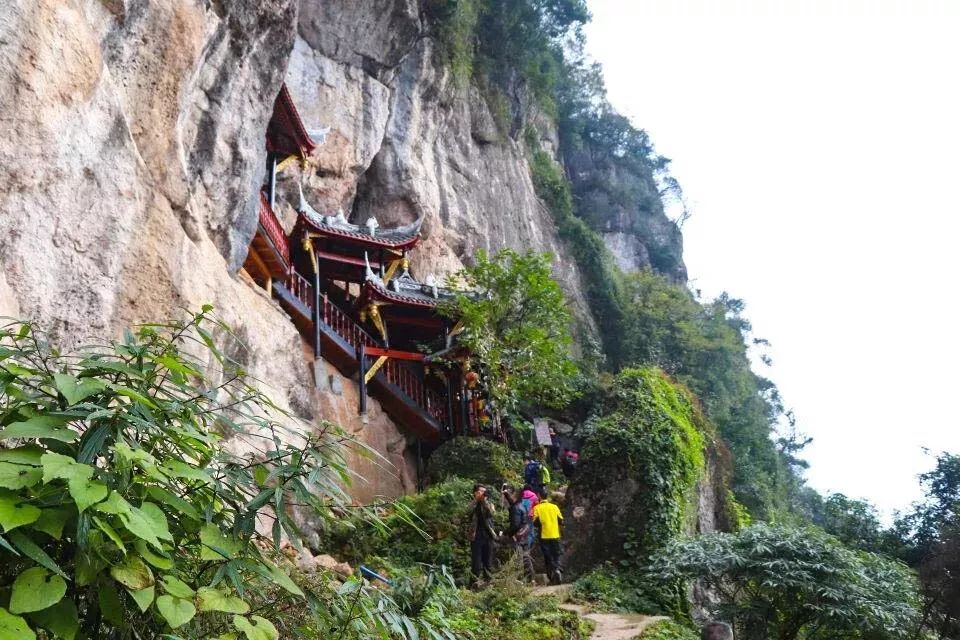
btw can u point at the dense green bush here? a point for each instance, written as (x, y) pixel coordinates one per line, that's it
(606, 588)
(669, 630)
(776, 582)
(478, 459)
(123, 512)
(118, 496)
(430, 528)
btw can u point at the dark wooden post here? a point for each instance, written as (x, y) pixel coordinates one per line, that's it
(452, 423)
(464, 409)
(362, 363)
(273, 180)
(317, 310)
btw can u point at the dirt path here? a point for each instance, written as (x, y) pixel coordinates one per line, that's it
(609, 626)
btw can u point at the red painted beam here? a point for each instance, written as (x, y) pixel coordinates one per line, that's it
(336, 257)
(395, 354)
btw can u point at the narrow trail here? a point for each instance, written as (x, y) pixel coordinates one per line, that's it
(609, 626)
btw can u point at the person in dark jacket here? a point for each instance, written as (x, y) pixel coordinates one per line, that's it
(482, 534)
(518, 533)
(533, 474)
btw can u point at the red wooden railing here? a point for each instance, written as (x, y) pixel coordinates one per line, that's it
(397, 372)
(437, 407)
(344, 326)
(301, 288)
(271, 226)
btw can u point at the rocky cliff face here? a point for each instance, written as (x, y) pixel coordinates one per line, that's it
(134, 150)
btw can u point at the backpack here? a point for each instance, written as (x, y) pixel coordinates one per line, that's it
(519, 521)
(532, 473)
(544, 474)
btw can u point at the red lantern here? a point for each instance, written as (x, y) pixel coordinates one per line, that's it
(471, 378)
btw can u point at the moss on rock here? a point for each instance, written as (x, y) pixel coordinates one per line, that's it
(640, 464)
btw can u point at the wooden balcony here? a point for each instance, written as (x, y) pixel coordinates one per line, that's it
(399, 388)
(268, 258)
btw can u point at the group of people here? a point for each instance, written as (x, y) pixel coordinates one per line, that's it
(533, 519)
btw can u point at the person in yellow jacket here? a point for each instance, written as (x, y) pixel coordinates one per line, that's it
(549, 523)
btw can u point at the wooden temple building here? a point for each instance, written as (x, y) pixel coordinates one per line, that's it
(349, 290)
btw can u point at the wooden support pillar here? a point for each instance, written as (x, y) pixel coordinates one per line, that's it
(362, 363)
(452, 423)
(319, 371)
(464, 408)
(317, 312)
(272, 189)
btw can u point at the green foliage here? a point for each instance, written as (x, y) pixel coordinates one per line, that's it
(508, 46)
(854, 522)
(607, 589)
(784, 583)
(600, 273)
(928, 539)
(478, 459)
(454, 24)
(507, 610)
(669, 630)
(516, 325)
(651, 433)
(431, 528)
(117, 494)
(703, 345)
(417, 606)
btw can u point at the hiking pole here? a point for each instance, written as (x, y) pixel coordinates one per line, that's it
(370, 574)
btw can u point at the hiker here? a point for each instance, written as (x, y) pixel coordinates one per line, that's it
(554, 449)
(568, 463)
(482, 534)
(549, 522)
(518, 533)
(529, 499)
(536, 474)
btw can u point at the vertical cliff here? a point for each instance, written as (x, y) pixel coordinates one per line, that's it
(135, 150)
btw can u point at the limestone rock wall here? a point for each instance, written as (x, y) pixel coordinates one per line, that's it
(129, 170)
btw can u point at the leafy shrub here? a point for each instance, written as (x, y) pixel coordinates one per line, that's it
(669, 630)
(117, 494)
(776, 582)
(476, 459)
(607, 589)
(426, 528)
(513, 612)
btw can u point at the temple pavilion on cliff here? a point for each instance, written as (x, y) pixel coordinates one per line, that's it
(349, 290)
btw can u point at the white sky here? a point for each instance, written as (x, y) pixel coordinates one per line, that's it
(819, 145)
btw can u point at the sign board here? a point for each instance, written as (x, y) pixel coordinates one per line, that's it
(542, 429)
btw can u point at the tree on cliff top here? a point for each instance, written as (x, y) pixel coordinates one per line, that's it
(516, 326)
